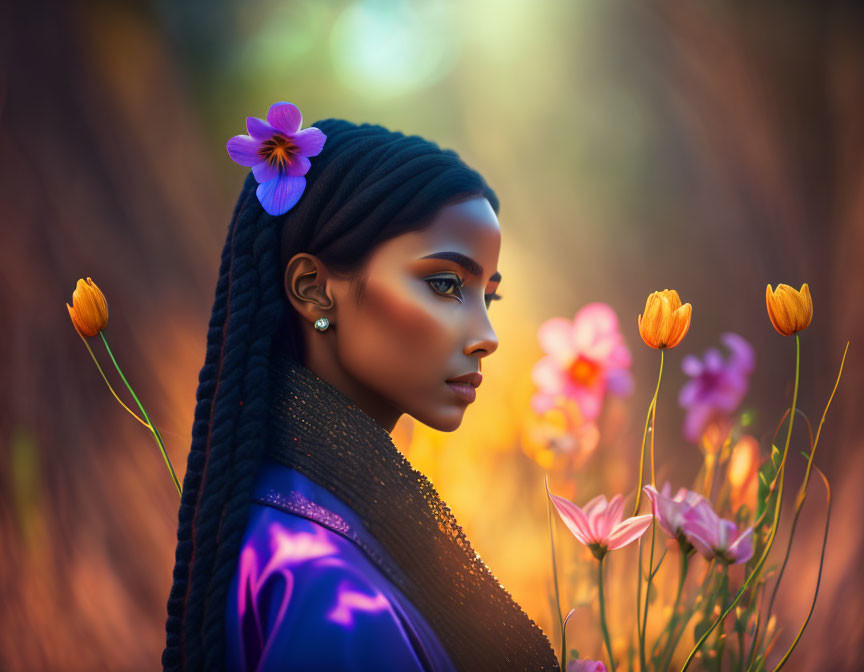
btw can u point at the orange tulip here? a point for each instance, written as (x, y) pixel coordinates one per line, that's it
(790, 309)
(89, 309)
(665, 321)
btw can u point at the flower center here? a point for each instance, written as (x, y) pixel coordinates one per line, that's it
(278, 151)
(584, 371)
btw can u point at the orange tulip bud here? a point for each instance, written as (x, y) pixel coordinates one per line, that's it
(665, 321)
(790, 309)
(89, 309)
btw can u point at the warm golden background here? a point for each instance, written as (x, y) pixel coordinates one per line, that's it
(711, 147)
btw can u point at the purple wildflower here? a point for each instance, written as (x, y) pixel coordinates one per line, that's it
(717, 537)
(670, 511)
(716, 387)
(278, 153)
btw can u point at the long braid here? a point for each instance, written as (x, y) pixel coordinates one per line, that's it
(368, 185)
(250, 445)
(207, 379)
(234, 425)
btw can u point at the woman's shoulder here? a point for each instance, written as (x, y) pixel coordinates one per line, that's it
(308, 592)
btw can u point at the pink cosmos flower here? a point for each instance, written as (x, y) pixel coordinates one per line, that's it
(670, 511)
(598, 525)
(585, 666)
(277, 151)
(584, 359)
(717, 537)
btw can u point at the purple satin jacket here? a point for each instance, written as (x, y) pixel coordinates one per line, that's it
(308, 593)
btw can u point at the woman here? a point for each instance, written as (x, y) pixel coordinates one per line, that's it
(306, 541)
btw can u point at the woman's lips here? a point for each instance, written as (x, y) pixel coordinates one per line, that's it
(465, 386)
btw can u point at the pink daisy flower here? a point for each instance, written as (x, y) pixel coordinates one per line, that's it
(585, 359)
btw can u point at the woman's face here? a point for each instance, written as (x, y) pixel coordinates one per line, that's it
(422, 318)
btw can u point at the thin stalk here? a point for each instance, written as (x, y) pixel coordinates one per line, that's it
(802, 496)
(648, 419)
(673, 644)
(770, 542)
(156, 434)
(105, 378)
(647, 591)
(653, 414)
(603, 614)
(818, 576)
(673, 619)
(639, 637)
(555, 582)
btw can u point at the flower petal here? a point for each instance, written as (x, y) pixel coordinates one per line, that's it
(701, 545)
(629, 530)
(573, 517)
(610, 518)
(265, 171)
(741, 549)
(309, 141)
(691, 365)
(554, 337)
(597, 505)
(258, 128)
(298, 166)
(286, 117)
(743, 356)
(244, 149)
(280, 195)
(702, 524)
(548, 376)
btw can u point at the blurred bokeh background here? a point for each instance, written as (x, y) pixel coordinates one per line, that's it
(708, 147)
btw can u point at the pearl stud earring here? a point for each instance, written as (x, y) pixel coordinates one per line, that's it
(322, 323)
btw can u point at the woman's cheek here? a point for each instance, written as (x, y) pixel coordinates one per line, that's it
(401, 333)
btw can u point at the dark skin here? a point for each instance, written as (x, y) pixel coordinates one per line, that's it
(419, 321)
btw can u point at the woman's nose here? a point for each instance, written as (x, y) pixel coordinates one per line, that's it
(483, 341)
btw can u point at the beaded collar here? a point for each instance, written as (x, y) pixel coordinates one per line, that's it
(320, 432)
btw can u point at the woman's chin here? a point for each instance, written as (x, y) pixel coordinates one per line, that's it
(444, 419)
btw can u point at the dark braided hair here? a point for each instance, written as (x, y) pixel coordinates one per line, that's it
(368, 184)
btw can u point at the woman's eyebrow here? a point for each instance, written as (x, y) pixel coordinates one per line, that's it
(457, 257)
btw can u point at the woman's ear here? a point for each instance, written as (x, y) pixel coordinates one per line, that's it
(307, 286)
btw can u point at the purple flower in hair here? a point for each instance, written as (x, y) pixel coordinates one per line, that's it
(278, 153)
(717, 386)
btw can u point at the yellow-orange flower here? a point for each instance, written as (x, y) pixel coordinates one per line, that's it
(89, 309)
(665, 321)
(790, 309)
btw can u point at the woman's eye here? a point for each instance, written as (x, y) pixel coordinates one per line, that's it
(448, 286)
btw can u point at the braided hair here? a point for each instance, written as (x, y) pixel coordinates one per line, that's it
(368, 185)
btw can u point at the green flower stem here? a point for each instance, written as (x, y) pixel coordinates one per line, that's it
(673, 619)
(150, 426)
(674, 639)
(724, 593)
(647, 592)
(770, 542)
(649, 418)
(107, 382)
(603, 613)
(818, 576)
(639, 605)
(802, 493)
(555, 582)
